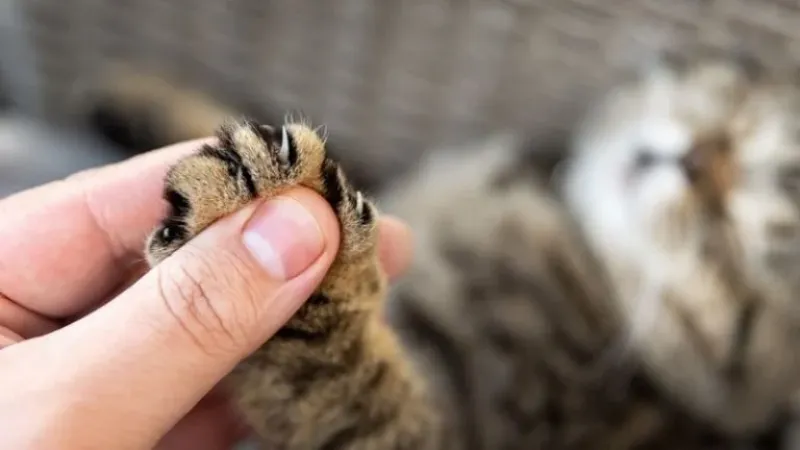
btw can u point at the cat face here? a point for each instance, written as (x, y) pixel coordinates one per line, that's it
(686, 182)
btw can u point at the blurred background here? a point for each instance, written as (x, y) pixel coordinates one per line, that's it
(391, 80)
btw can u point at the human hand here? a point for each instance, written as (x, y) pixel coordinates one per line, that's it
(80, 371)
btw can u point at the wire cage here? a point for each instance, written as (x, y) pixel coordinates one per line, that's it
(390, 78)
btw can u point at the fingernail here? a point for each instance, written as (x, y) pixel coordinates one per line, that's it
(283, 237)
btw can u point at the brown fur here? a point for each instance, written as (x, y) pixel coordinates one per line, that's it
(335, 376)
(515, 327)
(501, 321)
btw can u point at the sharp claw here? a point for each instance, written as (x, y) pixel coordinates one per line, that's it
(359, 202)
(283, 153)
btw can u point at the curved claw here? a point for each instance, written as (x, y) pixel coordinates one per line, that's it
(283, 152)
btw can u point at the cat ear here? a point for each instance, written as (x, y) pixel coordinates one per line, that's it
(645, 49)
(635, 51)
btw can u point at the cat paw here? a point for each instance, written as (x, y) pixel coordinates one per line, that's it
(250, 161)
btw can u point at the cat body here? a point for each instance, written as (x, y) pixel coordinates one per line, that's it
(630, 287)
(677, 194)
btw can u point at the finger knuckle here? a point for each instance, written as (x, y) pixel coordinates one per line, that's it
(207, 299)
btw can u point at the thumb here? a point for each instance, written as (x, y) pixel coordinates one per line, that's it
(140, 363)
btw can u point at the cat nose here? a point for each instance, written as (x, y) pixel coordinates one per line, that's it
(703, 156)
(693, 164)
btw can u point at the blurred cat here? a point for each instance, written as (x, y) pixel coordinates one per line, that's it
(632, 286)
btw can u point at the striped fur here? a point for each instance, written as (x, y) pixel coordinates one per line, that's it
(334, 376)
(631, 286)
(617, 287)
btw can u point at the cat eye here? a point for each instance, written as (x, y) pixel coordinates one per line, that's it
(645, 158)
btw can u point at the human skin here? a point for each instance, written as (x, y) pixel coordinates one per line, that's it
(142, 369)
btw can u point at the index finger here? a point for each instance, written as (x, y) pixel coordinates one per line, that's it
(65, 245)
